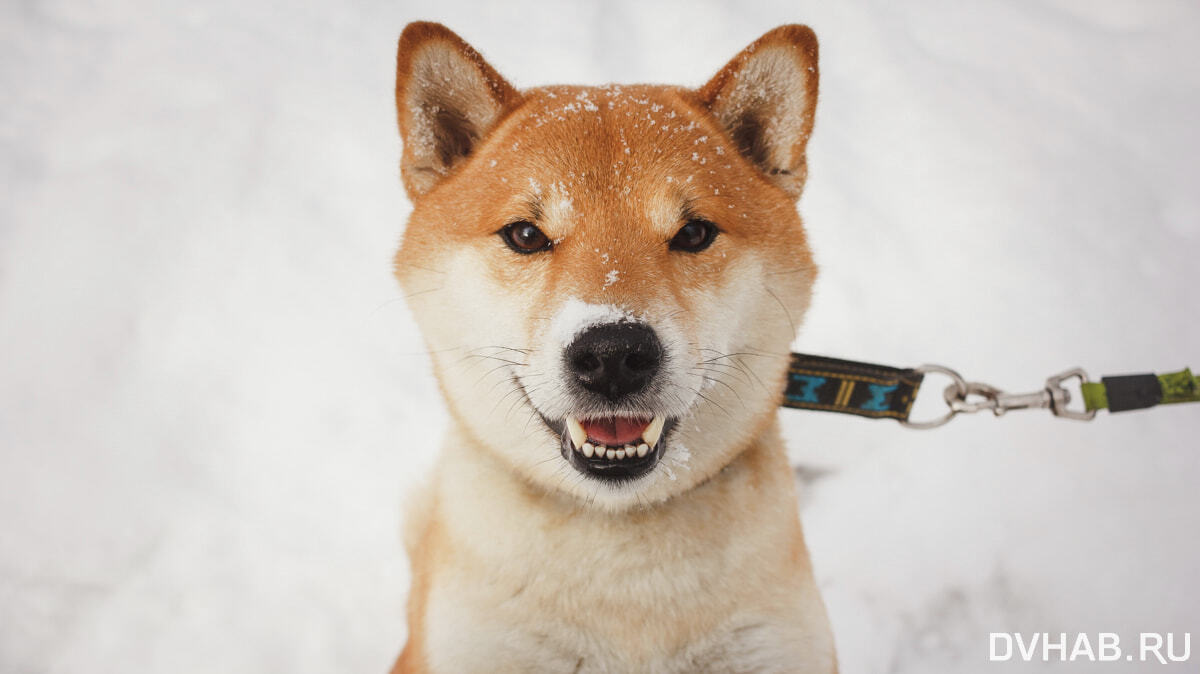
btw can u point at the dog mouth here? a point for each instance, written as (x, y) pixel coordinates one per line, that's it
(613, 448)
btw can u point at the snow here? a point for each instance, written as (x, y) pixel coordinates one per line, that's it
(214, 401)
(611, 277)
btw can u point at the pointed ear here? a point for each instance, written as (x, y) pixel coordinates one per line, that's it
(765, 98)
(447, 99)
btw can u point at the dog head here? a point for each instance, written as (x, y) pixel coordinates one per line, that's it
(608, 278)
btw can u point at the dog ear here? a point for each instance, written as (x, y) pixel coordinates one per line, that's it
(765, 98)
(447, 99)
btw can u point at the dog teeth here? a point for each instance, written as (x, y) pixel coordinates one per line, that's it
(578, 435)
(651, 435)
(622, 452)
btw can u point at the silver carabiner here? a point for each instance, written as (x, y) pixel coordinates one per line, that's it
(1053, 397)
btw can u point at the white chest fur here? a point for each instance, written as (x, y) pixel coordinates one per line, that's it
(717, 579)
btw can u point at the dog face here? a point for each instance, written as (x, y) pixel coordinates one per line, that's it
(608, 278)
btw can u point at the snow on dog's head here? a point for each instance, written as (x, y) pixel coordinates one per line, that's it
(608, 278)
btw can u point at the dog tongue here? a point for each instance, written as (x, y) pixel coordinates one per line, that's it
(615, 431)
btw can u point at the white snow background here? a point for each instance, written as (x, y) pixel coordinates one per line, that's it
(212, 399)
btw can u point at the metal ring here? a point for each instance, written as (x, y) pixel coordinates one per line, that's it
(960, 387)
(1061, 397)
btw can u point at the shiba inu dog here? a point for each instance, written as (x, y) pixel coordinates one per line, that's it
(608, 280)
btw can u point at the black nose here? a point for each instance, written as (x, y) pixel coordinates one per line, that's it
(614, 359)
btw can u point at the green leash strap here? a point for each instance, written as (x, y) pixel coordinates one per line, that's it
(883, 392)
(1139, 391)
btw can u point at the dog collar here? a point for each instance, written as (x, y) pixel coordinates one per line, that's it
(883, 392)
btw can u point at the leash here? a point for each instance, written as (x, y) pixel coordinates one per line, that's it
(882, 392)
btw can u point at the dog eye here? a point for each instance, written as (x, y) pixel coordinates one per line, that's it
(694, 236)
(525, 238)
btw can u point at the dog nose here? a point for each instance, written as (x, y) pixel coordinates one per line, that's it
(614, 359)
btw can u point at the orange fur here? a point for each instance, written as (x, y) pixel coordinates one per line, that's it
(609, 174)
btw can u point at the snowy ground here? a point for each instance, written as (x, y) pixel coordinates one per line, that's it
(212, 401)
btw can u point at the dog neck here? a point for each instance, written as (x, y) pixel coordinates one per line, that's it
(483, 506)
(484, 542)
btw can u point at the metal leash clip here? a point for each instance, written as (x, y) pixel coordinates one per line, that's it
(965, 397)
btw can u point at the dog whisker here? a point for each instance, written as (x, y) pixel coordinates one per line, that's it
(787, 313)
(748, 352)
(519, 399)
(487, 374)
(700, 393)
(725, 369)
(736, 360)
(516, 388)
(797, 270)
(423, 292)
(417, 266)
(748, 369)
(503, 348)
(722, 383)
(385, 303)
(497, 358)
